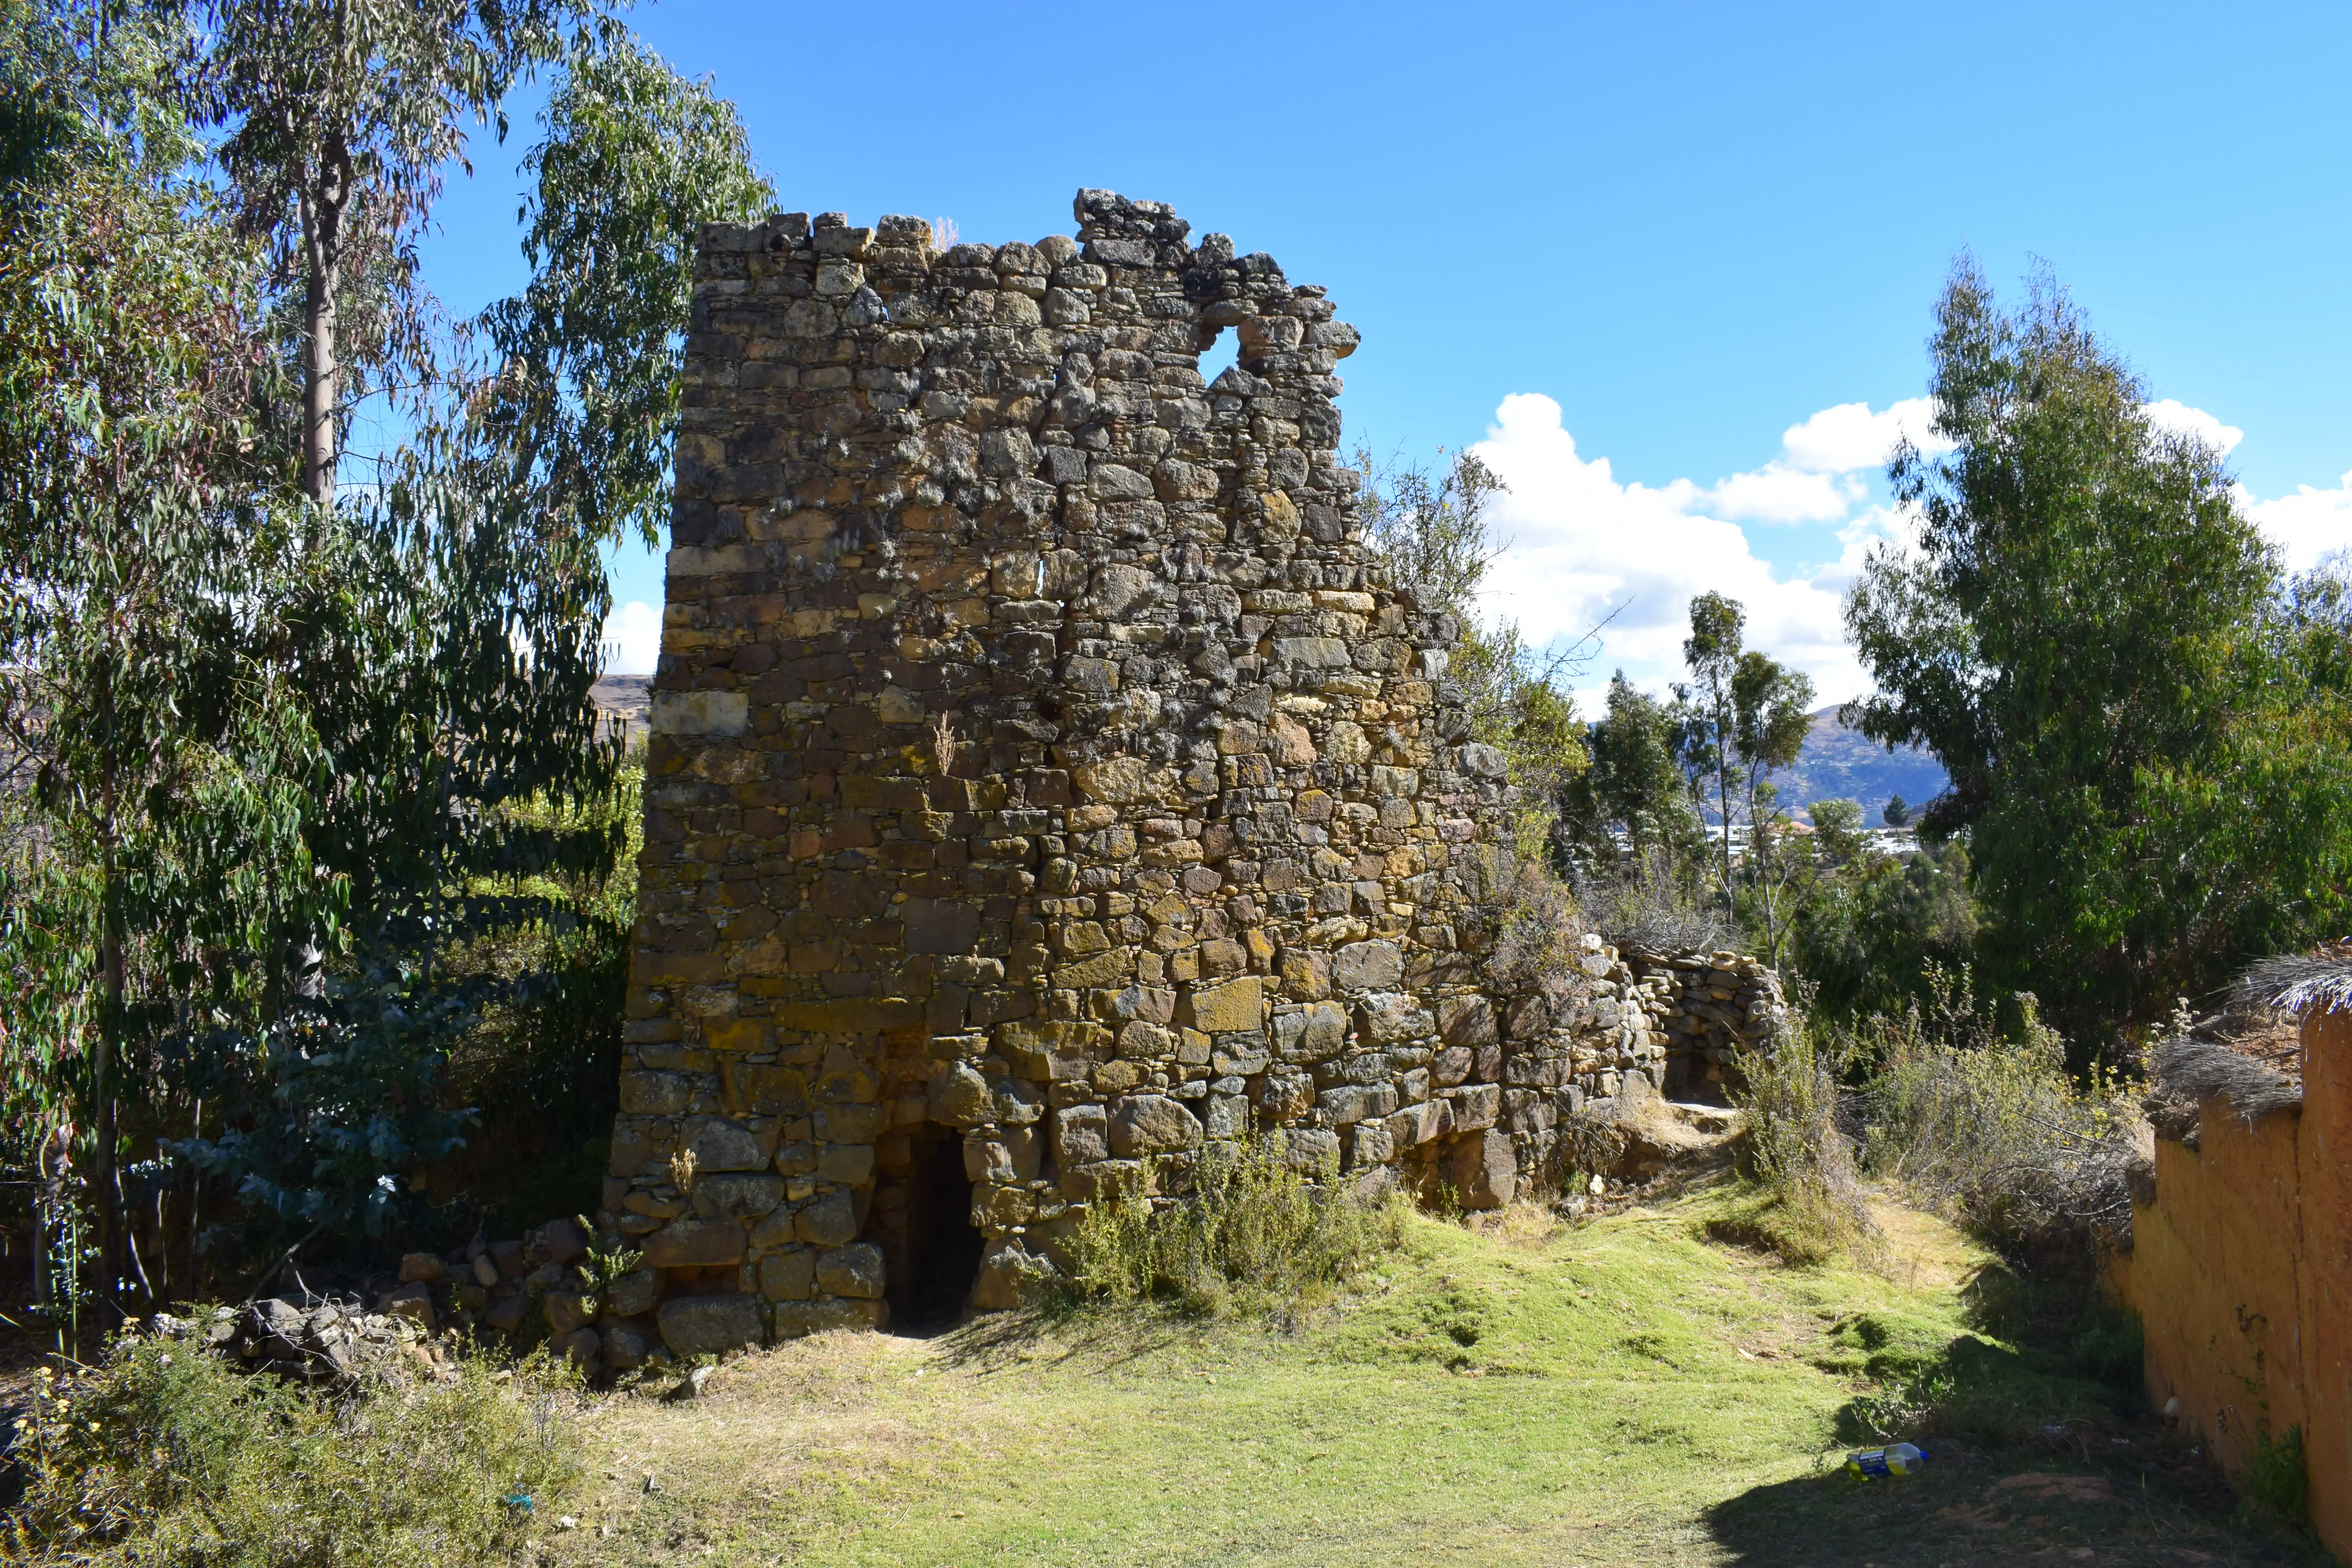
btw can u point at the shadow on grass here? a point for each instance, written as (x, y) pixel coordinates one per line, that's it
(2040, 1450)
(999, 1341)
(2147, 1503)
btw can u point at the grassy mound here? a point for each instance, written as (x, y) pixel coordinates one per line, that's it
(1627, 1392)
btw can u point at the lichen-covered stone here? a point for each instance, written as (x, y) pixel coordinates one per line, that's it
(633, 1295)
(850, 1270)
(709, 1325)
(1010, 1276)
(1151, 1124)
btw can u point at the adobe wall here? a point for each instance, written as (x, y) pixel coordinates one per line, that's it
(2324, 1147)
(1043, 776)
(2241, 1269)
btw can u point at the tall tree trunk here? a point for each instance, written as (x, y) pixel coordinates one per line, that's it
(104, 1186)
(1759, 865)
(1723, 799)
(324, 200)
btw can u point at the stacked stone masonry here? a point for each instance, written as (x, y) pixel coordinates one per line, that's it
(1045, 782)
(1714, 1008)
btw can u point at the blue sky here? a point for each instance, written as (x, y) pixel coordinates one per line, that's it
(1632, 247)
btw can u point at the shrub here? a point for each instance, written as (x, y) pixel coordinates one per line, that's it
(1992, 1129)
(166, 1453)
(1800, 1154)
(1251, 1234)
(2277, 1479)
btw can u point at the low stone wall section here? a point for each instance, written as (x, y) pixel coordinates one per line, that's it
(1712, 1007)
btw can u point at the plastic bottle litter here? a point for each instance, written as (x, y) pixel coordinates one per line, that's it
(1895, 1460)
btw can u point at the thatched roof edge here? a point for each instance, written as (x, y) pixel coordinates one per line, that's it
(2300, 983)
(2194, 1070)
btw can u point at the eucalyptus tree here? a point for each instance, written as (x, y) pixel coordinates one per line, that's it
(458, 632)
(1718, 628)
(1633, 788)
(260, 716)
(340, 117)
(1434, 538)
(2150, 777)
(1770, 722)
(158, 848)
(634, 159)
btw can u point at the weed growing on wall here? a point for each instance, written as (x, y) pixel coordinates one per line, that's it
(1252, 1234)
(2277, 1479)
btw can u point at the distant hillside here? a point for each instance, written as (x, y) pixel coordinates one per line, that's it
(626, 700)
(1839, 763)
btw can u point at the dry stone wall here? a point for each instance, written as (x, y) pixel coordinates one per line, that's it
(1044, 781)
(1713, 1008)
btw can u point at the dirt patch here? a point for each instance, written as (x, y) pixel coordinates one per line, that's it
(2043, 1484)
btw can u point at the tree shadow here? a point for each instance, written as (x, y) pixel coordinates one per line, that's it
(999, 1342)
(1976, 1508)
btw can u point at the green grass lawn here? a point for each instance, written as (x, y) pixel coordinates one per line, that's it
(1625, 1392)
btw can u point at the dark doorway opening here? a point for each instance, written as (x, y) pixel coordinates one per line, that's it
(931, 1248)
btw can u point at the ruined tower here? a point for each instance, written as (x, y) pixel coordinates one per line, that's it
(1044, 778)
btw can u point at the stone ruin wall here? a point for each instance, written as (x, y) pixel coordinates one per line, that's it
(1043, 779)
(1713, 1008)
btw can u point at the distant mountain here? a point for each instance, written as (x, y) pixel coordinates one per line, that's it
(626, 700)
(1839, 763)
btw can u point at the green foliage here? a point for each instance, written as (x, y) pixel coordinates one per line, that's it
(600, 1272)
(1799, 1153)
(322, 830)
(1711, 653)
(634, 159)
(1770, 722)
(1990, 1126)
(1868, 928)
(1634, 821)
(337, 122)
(1632, 790)
(164, 1453)
(327, 1109)
(1432, 531)
(2278, 1478)
(159, 866)
(1516, 705)
(2090, 640)
(1250, 1233)
(1433, 540)
(1636, 845)
(1741, 719)
(542, 1057)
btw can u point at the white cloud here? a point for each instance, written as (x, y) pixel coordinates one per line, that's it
(2178, 417)
(1582, 544)
(1778, 493)
(1849, 437)
(1817, 478)
(2307, 525)
(632, 638)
